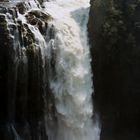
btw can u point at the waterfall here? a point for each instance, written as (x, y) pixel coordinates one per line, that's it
(70, 76)
(50, 48)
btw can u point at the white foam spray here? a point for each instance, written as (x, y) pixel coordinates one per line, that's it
(72, 81)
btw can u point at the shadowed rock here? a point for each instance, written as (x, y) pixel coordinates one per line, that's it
(114, 35)
(24, 89)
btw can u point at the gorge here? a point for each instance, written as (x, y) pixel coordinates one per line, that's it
(69, 70)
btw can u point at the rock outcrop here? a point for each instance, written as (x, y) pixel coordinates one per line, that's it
(114, 30)
(24, 90)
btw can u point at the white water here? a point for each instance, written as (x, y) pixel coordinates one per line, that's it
(71, 76)
(72, 81)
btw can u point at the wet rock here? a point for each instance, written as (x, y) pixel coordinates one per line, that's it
(38, 19)
(22, 81)
(21, 7)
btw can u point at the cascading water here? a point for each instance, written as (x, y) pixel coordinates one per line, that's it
(53, 55)
(71, 83)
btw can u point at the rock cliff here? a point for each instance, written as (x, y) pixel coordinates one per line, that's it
(114, 30)
(24, 91)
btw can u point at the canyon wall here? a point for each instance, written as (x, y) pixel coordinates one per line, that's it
(114, 30)
(23, 82)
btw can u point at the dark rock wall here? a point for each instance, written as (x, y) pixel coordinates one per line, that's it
(114, 31)
(24, 86)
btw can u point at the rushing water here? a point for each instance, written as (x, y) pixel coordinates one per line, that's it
(72, 81)
(64, 49)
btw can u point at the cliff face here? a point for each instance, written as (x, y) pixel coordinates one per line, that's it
(24, 92)
(114, 30)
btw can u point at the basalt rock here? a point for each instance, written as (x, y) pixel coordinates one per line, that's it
(114, 36)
